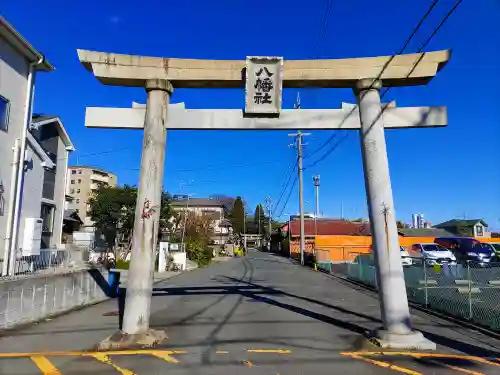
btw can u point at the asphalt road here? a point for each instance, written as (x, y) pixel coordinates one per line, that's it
(262, 314)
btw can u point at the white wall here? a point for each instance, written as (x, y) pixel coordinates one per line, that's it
(59, 193)
(32, 191)
(13, 82)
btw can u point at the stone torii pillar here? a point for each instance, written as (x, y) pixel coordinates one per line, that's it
(147, 213)
(365, 75)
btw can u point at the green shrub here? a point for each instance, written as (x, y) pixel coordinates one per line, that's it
(122, 264)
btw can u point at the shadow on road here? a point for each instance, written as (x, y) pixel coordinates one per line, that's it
(263, 294)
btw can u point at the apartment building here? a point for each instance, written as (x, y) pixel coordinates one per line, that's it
(33, 154)
(82, 181)
(222, 228)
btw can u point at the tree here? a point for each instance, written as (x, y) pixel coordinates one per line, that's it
(238, 216)
(260, 218)
(112, 209)
(401, 224)
(197, 232)
(227, 201)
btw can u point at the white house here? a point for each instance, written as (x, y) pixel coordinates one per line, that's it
(213, 208)
(33, 154)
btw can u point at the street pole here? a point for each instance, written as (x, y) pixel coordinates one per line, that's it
(185, 222)
(300, 168)
(316, 181)
(299, 136)
(301, 199)
(270, 214)
(244, 228)
(147, 210)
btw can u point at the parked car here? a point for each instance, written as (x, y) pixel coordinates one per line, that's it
(467, 249)
(432, 254)
(496, 249)
(405, 257)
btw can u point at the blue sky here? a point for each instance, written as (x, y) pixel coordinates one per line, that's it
(444, 173)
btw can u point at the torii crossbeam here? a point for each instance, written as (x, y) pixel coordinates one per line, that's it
(264, 78)
(180, 118)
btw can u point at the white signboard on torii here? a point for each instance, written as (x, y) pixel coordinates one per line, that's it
(263, 85)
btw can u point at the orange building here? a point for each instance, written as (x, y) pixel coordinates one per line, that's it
(342, 240)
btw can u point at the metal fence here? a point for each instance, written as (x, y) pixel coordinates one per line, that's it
(48, 261)
(469, 291)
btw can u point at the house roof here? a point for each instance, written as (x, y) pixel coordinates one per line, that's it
(72, 215)
(459, 222)
(331, 227)
(35, 146)
(90, 167)
(38, 120)
(16, 40)
(424, 232)
(196, 202)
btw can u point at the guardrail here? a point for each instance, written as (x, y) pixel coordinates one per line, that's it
(48, 261)
(469, 291)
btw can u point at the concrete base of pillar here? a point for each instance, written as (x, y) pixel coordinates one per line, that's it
(121, 340)
(411, 341)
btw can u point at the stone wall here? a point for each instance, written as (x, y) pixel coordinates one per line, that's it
(36, 297)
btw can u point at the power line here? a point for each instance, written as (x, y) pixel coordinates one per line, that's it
(407, 42)
(450, 12)
(285, 186)
(288, 197)
(332, 149)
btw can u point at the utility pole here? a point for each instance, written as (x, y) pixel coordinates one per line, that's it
(186, 212)
(299, 145)
(316, 186)
(244, 227)
(269, 212)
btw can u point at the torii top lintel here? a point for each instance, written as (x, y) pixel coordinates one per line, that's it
(131, 70)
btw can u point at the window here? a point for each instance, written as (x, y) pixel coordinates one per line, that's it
(77, 211)
(78, 191)
(72, 191)
(80, 171)
(73, 172)
(47, 215)
(4, 113)
(479, 230)
(77, 201)
(72, 182)
(79, 181)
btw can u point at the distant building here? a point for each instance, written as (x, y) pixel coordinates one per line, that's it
(466, 228)
(82, 181)
(204, 206)
(327, 227)
(418, 221)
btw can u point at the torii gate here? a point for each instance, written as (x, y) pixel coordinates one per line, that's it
(264, 78)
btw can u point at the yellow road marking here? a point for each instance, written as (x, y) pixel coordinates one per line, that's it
(426, 355)
(45, 365)
(165, 356)
(383, 364)
(277, 351)
(88, 354)
(221, 352)
(105, 359)
(456, 368)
